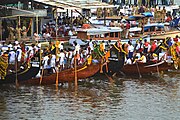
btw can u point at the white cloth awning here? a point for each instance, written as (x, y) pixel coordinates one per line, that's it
(58, 4)
(74, 4)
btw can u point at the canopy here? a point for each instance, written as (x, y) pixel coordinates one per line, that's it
(135, 16)
(69, 4)
(147, 14)
(10, 12)
(159, 25)
(93, 31)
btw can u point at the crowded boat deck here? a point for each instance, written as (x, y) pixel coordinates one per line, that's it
(139, 33)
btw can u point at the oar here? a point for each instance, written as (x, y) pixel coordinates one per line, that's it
(57, 76)
(157, 69)
(41, 76)
(138, 70)
(109, 78)
(75, 72)
(17, 84)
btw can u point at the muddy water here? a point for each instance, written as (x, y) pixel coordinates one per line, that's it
(149, 98)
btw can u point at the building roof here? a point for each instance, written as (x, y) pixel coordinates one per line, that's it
(9, 12)
(73, 4)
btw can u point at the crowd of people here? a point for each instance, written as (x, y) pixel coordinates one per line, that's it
(57, 56)
(144, 51)
(66, 26)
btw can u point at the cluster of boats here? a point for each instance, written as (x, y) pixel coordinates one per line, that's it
(30, 73)
(115, 63)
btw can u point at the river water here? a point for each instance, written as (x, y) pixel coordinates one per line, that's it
(124, 98)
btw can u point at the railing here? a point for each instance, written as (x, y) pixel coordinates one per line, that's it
(41, 39)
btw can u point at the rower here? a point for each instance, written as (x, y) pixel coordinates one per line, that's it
(130, 49)
(53, 62)
(91, 46)
(19, 53)
(61, 59)
(12, 56)
(146, 46)
(46, 64)
(143, 58)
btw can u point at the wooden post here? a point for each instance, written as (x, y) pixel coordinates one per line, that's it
(1, 28)
(57, 76)
(138, 70)
(104, 11)
(41, 75)
(72, 18)
(158, 69)
(40, 64)
(16, 63)
(18, 27)
(37, 26)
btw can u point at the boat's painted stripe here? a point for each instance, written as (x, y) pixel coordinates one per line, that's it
(155, 64)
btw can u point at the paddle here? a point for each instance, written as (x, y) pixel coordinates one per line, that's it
(75, 72)
(109, 78)
(138, 70)
(57, 78)
(41, 76)
(16, 64)
(157, 69)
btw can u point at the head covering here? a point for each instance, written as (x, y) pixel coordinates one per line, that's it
(16, 42)
(154, 55)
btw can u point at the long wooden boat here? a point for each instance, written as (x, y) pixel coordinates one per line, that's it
(145, 68)
(67, 75)
(23, 74)
(103, 33)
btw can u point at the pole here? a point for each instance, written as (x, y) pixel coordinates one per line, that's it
(138, 70)
(104, 11)
(40, 66)
(158, 69)
(72, 18)
(1, 28)
(17, 85)
(19, 24)
(75, 72)
(37, 26)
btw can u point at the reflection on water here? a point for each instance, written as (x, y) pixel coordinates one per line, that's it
(96, 98)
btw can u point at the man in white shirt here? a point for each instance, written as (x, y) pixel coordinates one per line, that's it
(130, 49)
(53, 62)
(19, 54)
(91, 45)
(12, 57)
(61, 59)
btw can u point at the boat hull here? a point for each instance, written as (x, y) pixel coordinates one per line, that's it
(144, 68)
(66, 75)
(24, 75)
